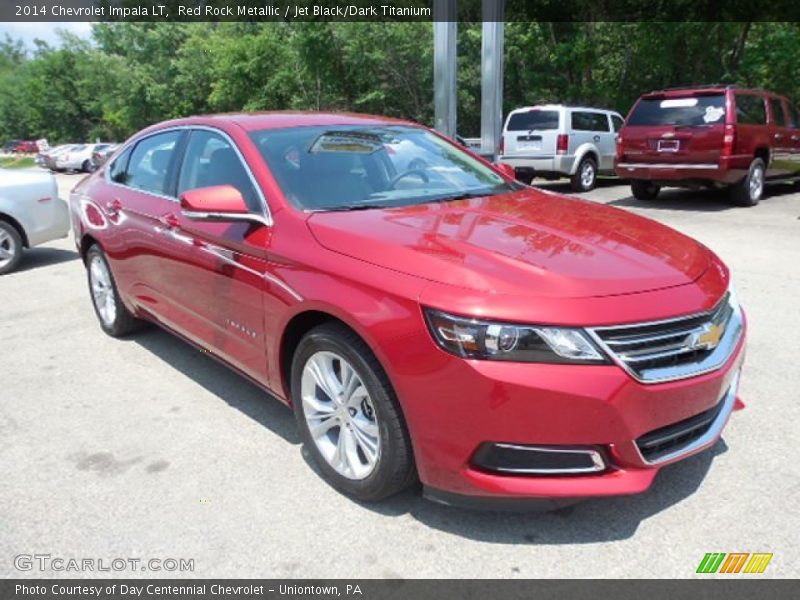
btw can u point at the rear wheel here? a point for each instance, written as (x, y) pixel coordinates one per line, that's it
(749, 190)
(348, 416)
(114, 318)
(10, 248)
(585, 178)
(523, 175)
(86, 167)
(644, 190)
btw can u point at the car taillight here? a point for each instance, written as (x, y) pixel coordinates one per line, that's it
(562, 143)
(619, 147)
(729, 140)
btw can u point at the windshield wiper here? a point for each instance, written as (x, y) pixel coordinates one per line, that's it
(459, 196)
(350, 207)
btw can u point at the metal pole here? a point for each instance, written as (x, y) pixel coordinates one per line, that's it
(492, 76)
(444, 66)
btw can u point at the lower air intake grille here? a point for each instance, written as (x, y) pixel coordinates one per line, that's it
(663, 441)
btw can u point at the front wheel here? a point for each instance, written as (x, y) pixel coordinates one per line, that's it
(10, 248)
(585, 178)
(749, 191)
(348, 415)
(114, 318)
(644, 190)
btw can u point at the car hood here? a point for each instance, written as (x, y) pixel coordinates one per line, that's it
(529, 243)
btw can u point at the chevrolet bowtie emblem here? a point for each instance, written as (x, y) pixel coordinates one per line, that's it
(707, 337)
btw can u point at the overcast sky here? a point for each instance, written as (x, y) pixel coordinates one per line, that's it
(44, 31)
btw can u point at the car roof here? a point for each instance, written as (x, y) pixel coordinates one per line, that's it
(281, 119)
(559, 106)
(713, 88)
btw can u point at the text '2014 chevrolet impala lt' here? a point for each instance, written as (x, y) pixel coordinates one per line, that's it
(426, 317)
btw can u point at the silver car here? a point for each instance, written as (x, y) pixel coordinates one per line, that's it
(554, 140)
(31, 213)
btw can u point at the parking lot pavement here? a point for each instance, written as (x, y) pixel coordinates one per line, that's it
(147, 448)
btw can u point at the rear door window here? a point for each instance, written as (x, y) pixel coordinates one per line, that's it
(750, 110)
(688, 111)
(533, 120)
(589, 121)
(793, 119)
(151, 162)
(117, 171)
(776, 107)
(616, 122)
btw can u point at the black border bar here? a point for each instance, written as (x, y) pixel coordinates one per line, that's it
(395, 10)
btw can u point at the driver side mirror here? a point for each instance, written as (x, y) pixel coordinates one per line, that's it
(218, 203)
(506, 170)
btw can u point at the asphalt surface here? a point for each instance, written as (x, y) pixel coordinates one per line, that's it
(146, 448)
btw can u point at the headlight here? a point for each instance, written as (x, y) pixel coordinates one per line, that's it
(472, 338)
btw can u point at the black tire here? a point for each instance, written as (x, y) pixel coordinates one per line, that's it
(525, 177)
(747, 192)
(11, 242)
(585, 177)
(394, 470)
(123, 322)
(86, 167)
(644, 190)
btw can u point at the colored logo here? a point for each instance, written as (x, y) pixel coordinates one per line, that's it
(707, 337)
(735, 562)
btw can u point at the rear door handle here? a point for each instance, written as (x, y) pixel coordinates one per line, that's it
(778, 136)
(113, 206)
(795, 138)
(169, 221)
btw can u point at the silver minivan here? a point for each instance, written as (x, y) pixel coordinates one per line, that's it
(554, 140)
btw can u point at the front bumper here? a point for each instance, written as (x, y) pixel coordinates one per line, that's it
(469, 403)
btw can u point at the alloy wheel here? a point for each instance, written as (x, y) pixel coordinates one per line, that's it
(340, 415)
(756, 182)
(8, 248)
(103, 294)
(587, 174)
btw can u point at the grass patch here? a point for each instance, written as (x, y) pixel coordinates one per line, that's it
(17, 162)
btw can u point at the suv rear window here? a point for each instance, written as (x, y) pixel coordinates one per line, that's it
(589, 121)
(538, 120)
(750, 110)
(687, 111)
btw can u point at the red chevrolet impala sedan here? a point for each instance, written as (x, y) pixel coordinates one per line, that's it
(426, 317)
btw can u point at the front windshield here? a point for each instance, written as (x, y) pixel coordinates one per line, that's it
(351, 167)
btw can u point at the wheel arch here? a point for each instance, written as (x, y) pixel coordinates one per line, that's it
(763, 153)
(298, 326)
(582, 152)
(7, 218)
(87, 241)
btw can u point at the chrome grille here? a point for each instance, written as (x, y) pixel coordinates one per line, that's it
(676, 348)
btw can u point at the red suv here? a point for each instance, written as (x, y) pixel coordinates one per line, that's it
(424, 315)
(716, 136)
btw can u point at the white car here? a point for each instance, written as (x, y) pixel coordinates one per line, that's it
(31, 213)
(554, 140)
(78, 158)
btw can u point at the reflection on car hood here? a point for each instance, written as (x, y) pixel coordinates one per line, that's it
(529, 243)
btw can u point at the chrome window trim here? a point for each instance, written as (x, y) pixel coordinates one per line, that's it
(598, 464)
(706, 166)
(709, 437)
(718, 357)
(266, 213)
